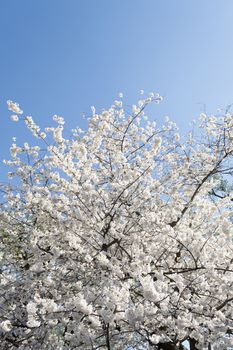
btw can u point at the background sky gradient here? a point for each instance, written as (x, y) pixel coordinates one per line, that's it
(62, 56)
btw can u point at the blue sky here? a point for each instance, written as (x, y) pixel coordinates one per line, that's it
(62, 56)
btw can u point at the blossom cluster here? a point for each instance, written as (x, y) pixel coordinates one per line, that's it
(119, 236)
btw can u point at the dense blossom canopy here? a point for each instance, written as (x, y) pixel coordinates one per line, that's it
(118, 237)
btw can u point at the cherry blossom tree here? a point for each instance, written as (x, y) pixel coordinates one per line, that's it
(118, 236)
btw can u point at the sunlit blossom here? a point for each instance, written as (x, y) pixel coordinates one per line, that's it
(14, 107)
(118, 236)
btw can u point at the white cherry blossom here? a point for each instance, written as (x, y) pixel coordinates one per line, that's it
(119, 237)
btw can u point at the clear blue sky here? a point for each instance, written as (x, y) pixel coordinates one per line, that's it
(62, 56)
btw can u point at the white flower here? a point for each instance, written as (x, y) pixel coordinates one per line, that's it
(32, 322)
(118, 103)
(57, 135)
(80, 150)
(120, 95)
(103, 260)
(157, 144)
(43, 135)
(14, 118)
(155, 338)
(203, 116)
(31, 307)
(82, 305)
(6, 325)
(14, 107)
(149, 290)
(49, 305)
(58, 119)
(158, 99)
(14, 150)
(26, 146)
(93, 110)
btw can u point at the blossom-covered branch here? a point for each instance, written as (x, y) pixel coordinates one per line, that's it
(118, 236)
